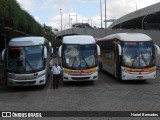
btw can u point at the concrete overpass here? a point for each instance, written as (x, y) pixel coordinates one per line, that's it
(148, 17)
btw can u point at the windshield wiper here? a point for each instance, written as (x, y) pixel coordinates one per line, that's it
(134, 59)
(85, 61)
(73, 61)
(143, 58)
(30, 65)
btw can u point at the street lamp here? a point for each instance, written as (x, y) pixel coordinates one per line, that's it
(71, 18)
(109, 20)
(144, 18)
(71, 21)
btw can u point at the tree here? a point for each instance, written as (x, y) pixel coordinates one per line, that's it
(81, 25)
(12, 15)
(49, 35)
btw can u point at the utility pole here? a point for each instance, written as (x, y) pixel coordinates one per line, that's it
(101, 12)
(105, 15)
(61, 18)
(105, 18)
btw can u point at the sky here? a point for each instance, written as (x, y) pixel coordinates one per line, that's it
(49, 12)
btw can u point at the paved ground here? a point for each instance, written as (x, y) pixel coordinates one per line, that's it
(106, 94)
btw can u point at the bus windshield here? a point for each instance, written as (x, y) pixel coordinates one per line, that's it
(25, 59)
(138, 54)
(77, 56)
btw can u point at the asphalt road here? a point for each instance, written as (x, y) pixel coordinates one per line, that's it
(106, 94)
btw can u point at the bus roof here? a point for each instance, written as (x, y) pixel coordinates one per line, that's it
(27, 41)
(127, 37)
(78, 39)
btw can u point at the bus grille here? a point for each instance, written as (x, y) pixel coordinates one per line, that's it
(26, 82)
(26, 78)
(80, 78)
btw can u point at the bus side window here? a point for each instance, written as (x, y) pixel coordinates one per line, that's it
(108, 55)
(108, 50)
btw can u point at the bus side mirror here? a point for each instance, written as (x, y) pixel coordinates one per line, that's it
(157, 48)
(60, 51)
(45, 52)
(98, 50)
(3, 55)
(119, 49)
(52, 50)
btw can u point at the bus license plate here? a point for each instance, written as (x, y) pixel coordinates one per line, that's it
(140, 77)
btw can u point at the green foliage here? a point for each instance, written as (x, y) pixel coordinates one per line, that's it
(81, 25)
(12, 15)
(49, 35)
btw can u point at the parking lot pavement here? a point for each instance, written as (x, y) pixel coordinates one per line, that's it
(106, 94)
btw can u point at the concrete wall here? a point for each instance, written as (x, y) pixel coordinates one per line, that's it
(98, 33)
(136, 14)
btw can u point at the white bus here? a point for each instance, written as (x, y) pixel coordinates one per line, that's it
(27, 61)
(128, 56)
(79, 58)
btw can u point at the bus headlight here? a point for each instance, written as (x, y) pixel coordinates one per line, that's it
(11, 76)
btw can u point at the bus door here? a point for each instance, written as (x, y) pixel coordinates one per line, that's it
(117, 62)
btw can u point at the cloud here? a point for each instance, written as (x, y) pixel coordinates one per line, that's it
(37, 19)
(49, 10)
(87, 1)
(56, 9)
(55, 21)
(145, 3)
(119, 8)
(64, 2)
(27, 5)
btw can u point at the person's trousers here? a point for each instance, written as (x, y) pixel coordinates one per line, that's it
(56, 80)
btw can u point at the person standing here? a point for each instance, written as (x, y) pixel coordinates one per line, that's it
(56, 69)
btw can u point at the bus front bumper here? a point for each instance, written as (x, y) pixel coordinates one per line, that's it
(142, 76)
(22, 80)
(91, 77)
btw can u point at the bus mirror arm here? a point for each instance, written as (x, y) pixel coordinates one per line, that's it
(98, 50)
(52, 50)
(60, 51)
(3, 55)
(158, 49)
(45, 52)
(119, 49)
